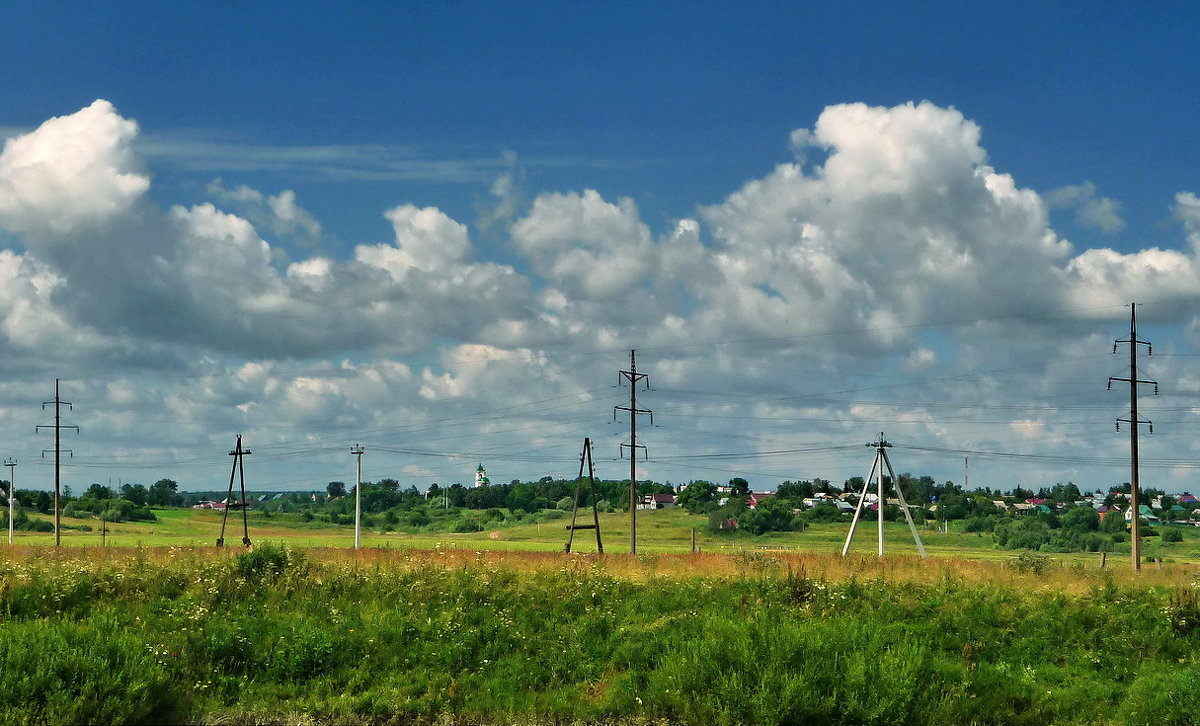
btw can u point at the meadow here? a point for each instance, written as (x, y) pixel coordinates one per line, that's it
(659, 531)
(279, 634)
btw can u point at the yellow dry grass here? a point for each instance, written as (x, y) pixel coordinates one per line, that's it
(1062, 576)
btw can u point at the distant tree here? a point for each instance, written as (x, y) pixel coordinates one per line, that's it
(1021, 494)
(772, 515)
(1082, 518)
(795, 490)
(98, 491)
(1113, 522)
(336, 489)
(389, 485)
(165, 493)
(136, 493)
(824, 486)
(739, 487)
(696, 496)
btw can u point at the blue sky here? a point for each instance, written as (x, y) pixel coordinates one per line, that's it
(670, 103)
(530, 157)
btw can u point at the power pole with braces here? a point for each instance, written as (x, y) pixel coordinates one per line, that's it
(881, 460)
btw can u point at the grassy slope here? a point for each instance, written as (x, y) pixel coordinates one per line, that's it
(661, 531)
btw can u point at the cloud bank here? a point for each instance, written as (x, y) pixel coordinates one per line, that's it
(889, 243)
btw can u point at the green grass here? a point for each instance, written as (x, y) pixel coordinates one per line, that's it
(661, 531)
(275, 635)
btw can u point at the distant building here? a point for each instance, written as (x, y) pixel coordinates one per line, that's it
(757, 498)
(657, 501)
(481, 477)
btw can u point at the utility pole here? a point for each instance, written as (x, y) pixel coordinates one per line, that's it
(1134, 422)
(11, 463)
(238, 455)
(358, 452)
(634, 378)
(587, 454)
(58, 450)
(881, 446)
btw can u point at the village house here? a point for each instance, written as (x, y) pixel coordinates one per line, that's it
(657, 501)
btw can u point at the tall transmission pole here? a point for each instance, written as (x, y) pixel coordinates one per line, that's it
(58, 426)
(11, 463)
(1134, 422)
(634, 378)
(358, 452)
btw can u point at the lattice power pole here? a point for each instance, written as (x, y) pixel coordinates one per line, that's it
(58, 426)
(634, 378)
(1134, 422)
(587, 453)
(238, 455)
(881, 460)
(358, 452)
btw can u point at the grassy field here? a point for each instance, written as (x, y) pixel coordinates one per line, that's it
(661, 531)
(452, 635)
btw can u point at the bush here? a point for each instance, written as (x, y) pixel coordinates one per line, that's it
(1172, 534)
(468, 524)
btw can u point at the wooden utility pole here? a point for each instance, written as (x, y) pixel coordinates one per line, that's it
(238, 455)
(358, 452)
(1134, 422)
(587, 453)
(634, 378)
(58, 426)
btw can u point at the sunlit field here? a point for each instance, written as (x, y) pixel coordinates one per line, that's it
(196, 634)
(667, 531)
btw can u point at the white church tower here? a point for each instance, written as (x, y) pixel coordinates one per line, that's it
(481, 477)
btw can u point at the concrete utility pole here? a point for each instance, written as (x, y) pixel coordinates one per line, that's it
(881, 460)
(58, 451)
(358, 452)
(1134, 422)
(634, 378)
(11, 463)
